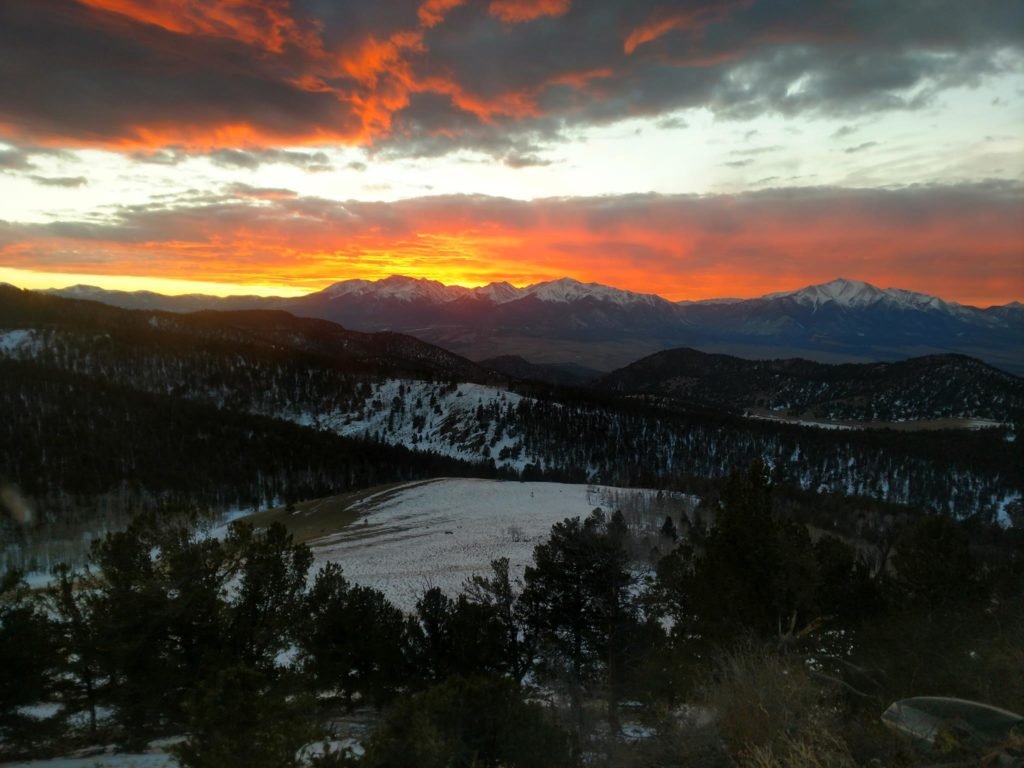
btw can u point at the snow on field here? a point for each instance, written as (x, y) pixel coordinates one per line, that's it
(801, 422)
(154, 760)
(438, 534)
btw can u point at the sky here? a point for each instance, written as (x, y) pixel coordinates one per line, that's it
(697, 149)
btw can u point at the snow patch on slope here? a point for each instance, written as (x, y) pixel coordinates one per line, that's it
(464, 421)
(20, 342)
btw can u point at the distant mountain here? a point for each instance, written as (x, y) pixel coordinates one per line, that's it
(937, 386)
(157, 301)
(565, 321)
(54, 324)
(409, 290)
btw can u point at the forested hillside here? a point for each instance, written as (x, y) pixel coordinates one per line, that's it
(110, 406)
(84, 455)
(930, 387)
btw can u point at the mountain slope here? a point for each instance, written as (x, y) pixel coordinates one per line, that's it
(921, 388)
(565, 321)
(265, 334)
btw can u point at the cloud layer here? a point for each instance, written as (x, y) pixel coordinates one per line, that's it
(959, 242)
(425, 77)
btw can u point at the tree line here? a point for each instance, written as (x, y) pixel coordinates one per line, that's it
(238, 645)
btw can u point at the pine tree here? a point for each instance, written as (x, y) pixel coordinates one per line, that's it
(498, 594)
(354, 640)
(577, 602)
(244, 717)
(29, 657)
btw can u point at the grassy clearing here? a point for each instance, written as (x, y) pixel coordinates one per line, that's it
(313, 519)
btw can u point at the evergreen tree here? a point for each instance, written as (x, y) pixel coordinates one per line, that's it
(28, 656)
(668, 529)
(265, 609)
(497, 593)
(479, 722)
(577, 601)
(172, 608)
(755, 574)
(354, 640)
(933, 561)
(244, 718)
(81, 685)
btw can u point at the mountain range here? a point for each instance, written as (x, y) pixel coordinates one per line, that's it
(599, 327)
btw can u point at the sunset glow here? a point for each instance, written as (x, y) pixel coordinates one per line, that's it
(723, 148)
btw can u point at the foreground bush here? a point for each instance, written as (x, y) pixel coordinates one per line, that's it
(462, 723)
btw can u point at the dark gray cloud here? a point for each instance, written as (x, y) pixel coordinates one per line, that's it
(312, 162)
(169, 156)
(92, 77)
(860, 147)
(22, 158)
(672, 122)
(259, 193)
(258, 208)
(515, 160)
(752, 151)
(15, 160)
(60, 181)
(349, 71)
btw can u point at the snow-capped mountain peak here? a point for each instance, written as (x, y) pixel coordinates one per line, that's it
(81, 291)
(498, 293)
(841, 291)
(856, 294)
(396, 287)
(400, 288)
(566, 289)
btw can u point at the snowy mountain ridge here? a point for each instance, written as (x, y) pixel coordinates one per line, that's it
(841, 291)
(561, 291)
(603, 328)
(856, 294)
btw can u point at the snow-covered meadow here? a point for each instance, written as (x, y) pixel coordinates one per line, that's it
(439, 533)
(154, 759)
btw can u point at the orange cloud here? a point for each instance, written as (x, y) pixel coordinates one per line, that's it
(432, 12)
(519, 11)
(691, 21)
(316, 91)
(263, 23)
(962, 245)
